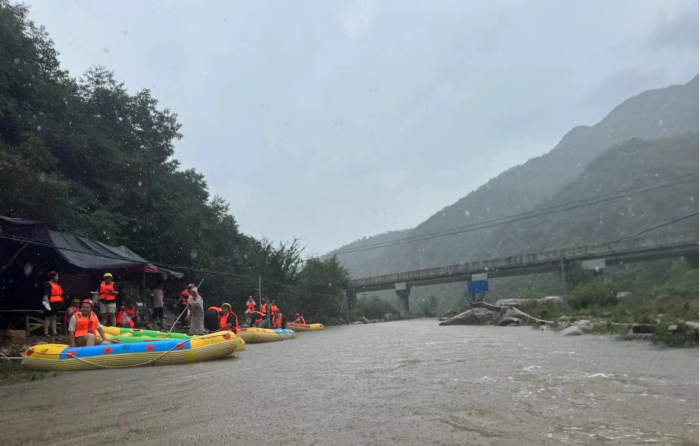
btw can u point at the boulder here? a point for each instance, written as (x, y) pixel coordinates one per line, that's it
(357, 323)
(574, 330)
(449, 313)
(551, 301)
(374, 321)
(364, 320)
(508, 316)
(585, 326)
(475, 316)
(643, 328)
(626, 296)
(17, 335)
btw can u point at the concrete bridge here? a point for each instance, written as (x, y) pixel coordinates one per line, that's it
(625, 251)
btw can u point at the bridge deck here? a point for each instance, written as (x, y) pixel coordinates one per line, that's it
(631, 250)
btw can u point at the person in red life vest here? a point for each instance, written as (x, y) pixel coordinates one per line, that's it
(52, 302)
(229, 320)
(185, 297)
(212, 318)
(132, 311)
(108, 300)
(299, 319)
(84, 326)
(255, 318)
(273, 307)
(277, 320)
(70, 311)
(123, 319)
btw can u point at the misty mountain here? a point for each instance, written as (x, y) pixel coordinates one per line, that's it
(643, 131)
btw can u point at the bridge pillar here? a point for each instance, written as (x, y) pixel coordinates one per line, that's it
(403, 293)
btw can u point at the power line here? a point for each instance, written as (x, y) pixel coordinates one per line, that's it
(524, 216)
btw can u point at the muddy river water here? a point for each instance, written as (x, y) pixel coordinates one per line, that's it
(402, 383)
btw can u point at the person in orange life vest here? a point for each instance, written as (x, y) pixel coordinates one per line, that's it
(273, 307)
(212, 318)
(249, 310)
(132, 311)
(255, 318)
(84, 326)
(277, 319)
(185, 297)
(52, 302)
(123, 318)
(229, 320)
(266, 310)
(108, 300)
(299, 319)
(70, 311)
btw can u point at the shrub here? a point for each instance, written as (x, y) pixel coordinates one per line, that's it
(371, 308)
(591, 294)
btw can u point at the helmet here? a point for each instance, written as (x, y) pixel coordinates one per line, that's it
(88, 301)
(296, 315)
(107, 275)
(226, 305)
(263, 299)
(50, 274)
(76, 301)
(190, 286)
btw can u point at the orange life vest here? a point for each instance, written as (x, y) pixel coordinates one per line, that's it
(130, 311)
(56, 293)
(185, 297)
(274, 308)
(277, 321)
(85, 325)
(251, 306)
(217, 309)
(105, 294)
(300, 320)
(263, 309)
(225, 321)
(120, 319)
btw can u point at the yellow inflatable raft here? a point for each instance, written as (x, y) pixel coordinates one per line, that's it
(304, 327)
(257, 335)
(166, 351)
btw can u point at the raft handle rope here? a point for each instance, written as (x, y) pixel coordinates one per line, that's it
(152, 361)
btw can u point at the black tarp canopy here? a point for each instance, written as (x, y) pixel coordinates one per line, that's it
(78, 251)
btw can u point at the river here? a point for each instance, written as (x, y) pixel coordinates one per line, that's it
(402, 383)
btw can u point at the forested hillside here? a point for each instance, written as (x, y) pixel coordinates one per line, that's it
(562, 175)
(88, 157)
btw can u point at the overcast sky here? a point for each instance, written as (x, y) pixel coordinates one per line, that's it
(333, 120)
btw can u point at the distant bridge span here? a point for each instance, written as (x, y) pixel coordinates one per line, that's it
(625, 251)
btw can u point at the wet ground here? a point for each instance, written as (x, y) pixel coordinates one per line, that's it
(402, 383)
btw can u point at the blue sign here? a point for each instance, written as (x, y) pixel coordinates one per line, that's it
(478, 286)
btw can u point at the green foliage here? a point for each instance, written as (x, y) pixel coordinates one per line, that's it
(683, 281)
(91, 158)
(371, 308)
(595, 293)
(316, 294)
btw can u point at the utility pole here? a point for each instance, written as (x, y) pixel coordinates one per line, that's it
(260, 292)
(563, 282)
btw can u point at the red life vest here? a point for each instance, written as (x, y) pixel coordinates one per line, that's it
(217, 309)
(251, 306)
(130, 311)
(105, 294)
(185, 297)
(85, 325)
(56, 293)
(274, 308)
(300, 320)
(264, 309)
